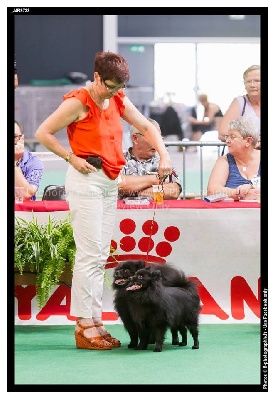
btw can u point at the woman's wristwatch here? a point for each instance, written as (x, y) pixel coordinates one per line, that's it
(68, 156)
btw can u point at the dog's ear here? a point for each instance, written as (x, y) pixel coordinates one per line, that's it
(142, 263)
(126, 264)
(139, 264)
(156, 275)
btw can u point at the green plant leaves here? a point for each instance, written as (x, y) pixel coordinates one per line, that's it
(44, 249)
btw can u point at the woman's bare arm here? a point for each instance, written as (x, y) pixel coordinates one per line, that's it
(232, 113)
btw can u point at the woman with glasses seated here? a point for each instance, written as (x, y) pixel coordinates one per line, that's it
(235, 173)
(28, 168)
(93, 117)
(248, 105)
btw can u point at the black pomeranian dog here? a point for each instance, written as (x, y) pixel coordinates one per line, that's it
(155, 308)
(122, 274)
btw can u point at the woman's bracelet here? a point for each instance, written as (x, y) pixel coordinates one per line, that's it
(68, 156)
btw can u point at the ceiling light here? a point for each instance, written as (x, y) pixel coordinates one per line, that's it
(237, 17)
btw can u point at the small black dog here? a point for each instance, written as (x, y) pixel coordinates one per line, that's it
(122, 274)
(155, 308)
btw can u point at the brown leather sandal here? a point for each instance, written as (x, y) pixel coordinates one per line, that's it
(93, 343)
(109, 338)
(112, 340)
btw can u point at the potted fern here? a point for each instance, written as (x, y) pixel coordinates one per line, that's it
(47, 251)
(44, 249)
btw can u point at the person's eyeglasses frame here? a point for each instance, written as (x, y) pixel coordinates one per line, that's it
(255, 82)
(232, 137)
(138, 133)
(113, 88)
(18, 137)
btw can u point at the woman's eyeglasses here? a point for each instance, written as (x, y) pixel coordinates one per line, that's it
(254, 81)
(232, 137)
(138, 133)
(17, 137)
(114, 88)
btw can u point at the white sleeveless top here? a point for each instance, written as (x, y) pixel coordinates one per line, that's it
(249, 110)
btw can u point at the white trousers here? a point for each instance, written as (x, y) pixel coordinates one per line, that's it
(92, 201)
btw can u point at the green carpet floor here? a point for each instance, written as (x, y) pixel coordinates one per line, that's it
(229, 354)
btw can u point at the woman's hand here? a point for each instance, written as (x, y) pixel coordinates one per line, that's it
(252, 194)
(81, 165)
(247, 192)
(165, 166)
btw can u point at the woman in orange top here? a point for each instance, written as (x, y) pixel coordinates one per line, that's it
(92, 115)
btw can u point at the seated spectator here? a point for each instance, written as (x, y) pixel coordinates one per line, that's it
(232, 173)
(140, 171)
(248, 105)
(28, 168)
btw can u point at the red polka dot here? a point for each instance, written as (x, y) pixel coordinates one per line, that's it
(127, 243)
(163, 249)
(145, 244)
(150, 227)
(172, 233)
(127, 226)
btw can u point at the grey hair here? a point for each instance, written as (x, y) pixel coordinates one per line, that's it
(135, 130)
(249, 69)
(246, 127)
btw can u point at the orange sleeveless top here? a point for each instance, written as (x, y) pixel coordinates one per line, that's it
(100, 133)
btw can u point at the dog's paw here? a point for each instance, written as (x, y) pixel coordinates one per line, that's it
(196, 345)
(157, 349)
(139, 347)
(132, 345)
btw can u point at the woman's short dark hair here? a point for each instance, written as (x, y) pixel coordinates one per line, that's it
(111, 66)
